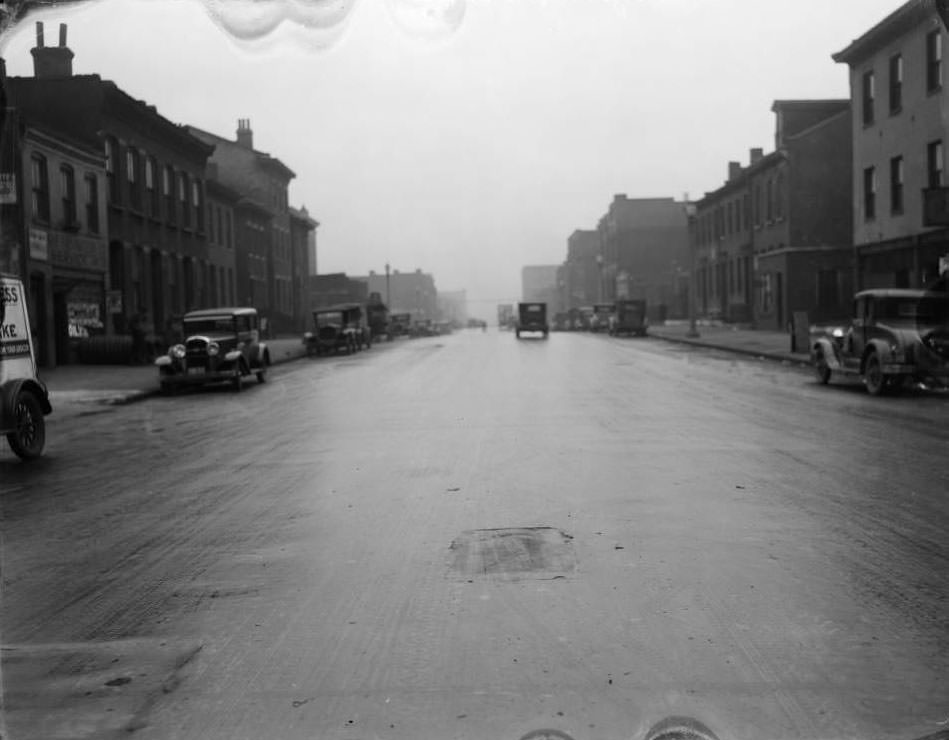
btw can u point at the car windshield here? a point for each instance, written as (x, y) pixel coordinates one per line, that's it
(549, 393)
(210, 325)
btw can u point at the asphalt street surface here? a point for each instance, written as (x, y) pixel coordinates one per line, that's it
(472, 536)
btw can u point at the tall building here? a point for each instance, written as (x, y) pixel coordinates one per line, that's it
(539, 283)
(582, 273)
(776, 237)
(154, 191)
(265, 264)
(644, 245)
(900, 201)
(406, 292)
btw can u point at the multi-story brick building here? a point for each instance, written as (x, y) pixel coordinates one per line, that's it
(900, 201)
(539, 283)
(775, 238)
(581, 278)
(303, 253)
(154, 186)
(644, 245)
(222, 204)
(262, 182)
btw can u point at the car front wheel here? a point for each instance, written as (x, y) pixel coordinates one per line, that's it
(873, 376)
(29, 436)
(821, 368)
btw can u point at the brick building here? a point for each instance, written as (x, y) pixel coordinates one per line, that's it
(581, 279)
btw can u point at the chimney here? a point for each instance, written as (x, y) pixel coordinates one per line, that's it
(754, 155)
(734, 170)
(245, 137)
(51, 61)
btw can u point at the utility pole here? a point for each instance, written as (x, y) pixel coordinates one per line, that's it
(388, 297)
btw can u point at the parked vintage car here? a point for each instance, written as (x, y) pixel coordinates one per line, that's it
(24, 399)
(221, 345)
(603, 314)
(895, 335)
(338, 327)
(531, 317)
(630, 318)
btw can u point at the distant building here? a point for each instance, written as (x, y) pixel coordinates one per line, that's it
(334, 288)
(453, 306)
(406, 292)
(302, 254)
(582, 272)
(776, 237)
(900, 201)
(539, 283)
(644, 245)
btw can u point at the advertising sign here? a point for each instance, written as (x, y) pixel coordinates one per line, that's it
(7, 187)
(16, 355)
(39, 245)
(113, 301)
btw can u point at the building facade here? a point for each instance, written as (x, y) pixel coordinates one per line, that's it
(262, 182)
(581, 279)
(222, 203)
(900, 203)
(539, 283)
(154, 188)
(406, 292)
(644, 247)
(303, 255)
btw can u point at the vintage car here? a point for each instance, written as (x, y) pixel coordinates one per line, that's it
(630, 318)
(895, 336)
(603, 314)
(531, 317)
(338, 327)
(24, 399)
(220, 345)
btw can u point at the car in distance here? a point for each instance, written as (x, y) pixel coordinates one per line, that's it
(221, 345)
(894, 336)
(24, 399)
(629, 318)
(531, 317)
(338, 327)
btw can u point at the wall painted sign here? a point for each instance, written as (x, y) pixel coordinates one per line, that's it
(16, 356)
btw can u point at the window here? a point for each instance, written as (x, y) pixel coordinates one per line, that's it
(769, 199)
(67, 180)
(934, 164)
(758, 204)
(132, 164)
(896, 185)
(40, 188)
(896, 83)
(869, 92)
(111, 152)
(779, 196)
(183, 193)
(92, 204)
(197, 204)
(934, 61)
(168, 191)
(220, 229)
(151, 189)
(869, 193)
(746, 210)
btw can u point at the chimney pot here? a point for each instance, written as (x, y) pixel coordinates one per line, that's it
(245, 136)
(755, 154)
(734, 170)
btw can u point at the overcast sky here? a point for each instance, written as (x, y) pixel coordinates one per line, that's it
(469, 137)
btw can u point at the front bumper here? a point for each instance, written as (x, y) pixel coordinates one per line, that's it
(176, 374)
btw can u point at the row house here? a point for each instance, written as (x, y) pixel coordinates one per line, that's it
(900, 199)
(156, 259)
(271, 275)
(775, 238)
(644, 252)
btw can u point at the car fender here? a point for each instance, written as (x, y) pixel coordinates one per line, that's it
(163, 361)
(830, 351)
(879, 346)
(11, 388)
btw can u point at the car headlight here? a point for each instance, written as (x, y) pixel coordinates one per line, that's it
(838, 333)
(178, 352)
(213, 349)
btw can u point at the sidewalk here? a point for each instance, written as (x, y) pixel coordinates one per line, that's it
(773, 345)
(115, 384)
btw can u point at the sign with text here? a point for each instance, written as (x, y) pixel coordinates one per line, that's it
(14, 326)
(7, 187)
(39, 245)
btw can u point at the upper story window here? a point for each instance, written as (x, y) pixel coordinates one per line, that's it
(132, 166)
(168, 193)
(68, 188)
(92, 203)
(151, 186)
(934, 61)
(40, 195)
(896, 83)
(779, 196)
(183, 194)
(934, 164)
(111, 171)
(896, 185)
(869, 193)
(197, 204)
(769, 199)
(869, 94)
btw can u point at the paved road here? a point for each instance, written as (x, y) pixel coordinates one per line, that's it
(474, 537)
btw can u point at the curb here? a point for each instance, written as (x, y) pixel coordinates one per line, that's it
(773, 356)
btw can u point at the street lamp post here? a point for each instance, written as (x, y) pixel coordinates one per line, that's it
(691, 215)
(388, 297)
